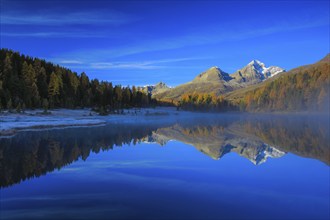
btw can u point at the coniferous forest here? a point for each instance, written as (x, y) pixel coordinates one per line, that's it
(27, 82)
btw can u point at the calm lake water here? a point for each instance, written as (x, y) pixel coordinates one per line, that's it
(225, 167)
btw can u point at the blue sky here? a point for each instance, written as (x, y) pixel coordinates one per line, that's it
(144, 42)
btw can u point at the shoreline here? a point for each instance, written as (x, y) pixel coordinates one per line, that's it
(11, 123)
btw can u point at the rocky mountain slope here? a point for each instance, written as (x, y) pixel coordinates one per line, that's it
(255, 72)
(215, 80)
(156, 89)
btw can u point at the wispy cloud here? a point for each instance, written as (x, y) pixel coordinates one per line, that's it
(60, 18)
(70, 62)
(101, 59)
(213, 35)
(77, 34)
(118, 65)
(151, 64)
(62, 24)
(133, 65)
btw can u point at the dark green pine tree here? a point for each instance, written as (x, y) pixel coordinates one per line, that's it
(118, 96)
(84, 90)
(127, 96)
(31, 94)
(134, 96)
(2, 91)
(11, 87)
(54, 90)
(42, 82)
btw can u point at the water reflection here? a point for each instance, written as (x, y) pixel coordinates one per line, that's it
(34, 153)
(255, 138)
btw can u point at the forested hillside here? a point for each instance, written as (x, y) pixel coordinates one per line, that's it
(27, 82)
(303, 88)
(215, 80)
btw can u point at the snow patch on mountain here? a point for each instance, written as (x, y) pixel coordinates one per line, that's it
(265, 72)
(264, 153)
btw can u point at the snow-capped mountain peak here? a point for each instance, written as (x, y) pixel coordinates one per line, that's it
(256, 63)
(261, 69)
(255, 72)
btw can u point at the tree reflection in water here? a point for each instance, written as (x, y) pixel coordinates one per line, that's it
(34, 153)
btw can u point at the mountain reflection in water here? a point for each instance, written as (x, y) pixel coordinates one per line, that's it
(34, 153)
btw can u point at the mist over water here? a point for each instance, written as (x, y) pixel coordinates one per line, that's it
(198, 166)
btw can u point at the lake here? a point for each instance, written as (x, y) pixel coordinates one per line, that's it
(203, 167)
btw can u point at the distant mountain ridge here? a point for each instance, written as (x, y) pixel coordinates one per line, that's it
(215, 80)
(155, 89)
